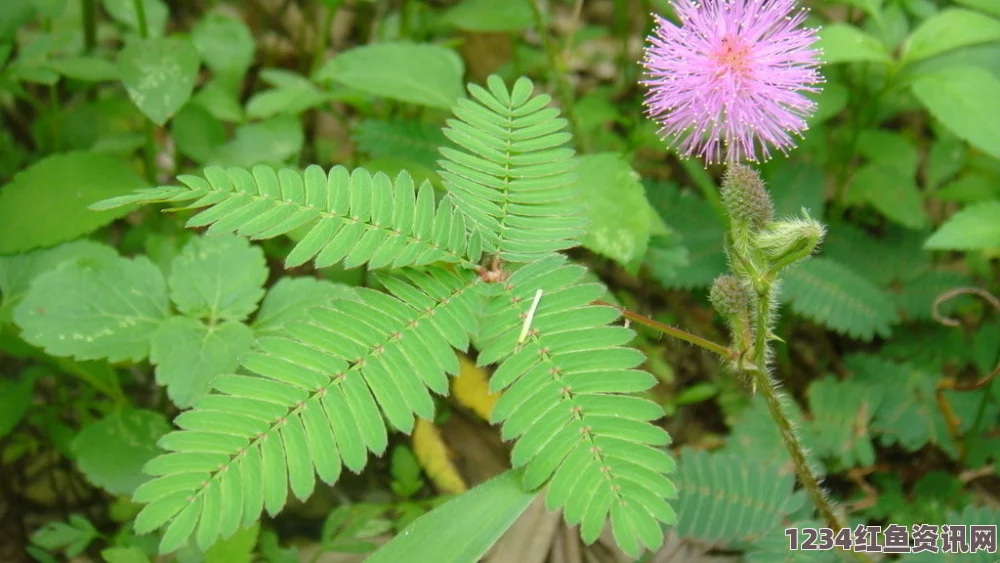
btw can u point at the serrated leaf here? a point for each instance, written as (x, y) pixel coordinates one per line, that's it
(422, 74)
(112, 451)
(831, 294)
(47, 203)
(18, 271)
(964, 99)
(159, 75)
(616, 206)
(974, 227)
(218, 277)
(290, 298)
(93, 309)
(225, 44)
(189, 354)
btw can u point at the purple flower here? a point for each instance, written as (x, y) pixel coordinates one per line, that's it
(731, 77)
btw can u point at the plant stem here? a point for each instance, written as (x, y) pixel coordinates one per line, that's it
(724, 352)
(760, 376)
(149, 128)
(89, 9)
(557, 73)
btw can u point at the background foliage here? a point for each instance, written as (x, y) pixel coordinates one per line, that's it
(113, 322)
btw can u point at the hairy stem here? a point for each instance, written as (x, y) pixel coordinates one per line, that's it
(724, 352)
(760, 376)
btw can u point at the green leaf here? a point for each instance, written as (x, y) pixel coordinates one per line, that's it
(15, 400)
(93, 309)
(236, 549)
(225, 44)
(947, 30)
(91, 69)
(285, 101)
(189, 354)
(112, 451)
(842, 42)
(701, 233)
(795, 185)
(831, 294)
(218, 277)
(894, 255)
(491, 16)
(892, 192)
(988, 6)
(917, 295)
(159, 75)
(290, 298)
(123, 11)
(971, 187)
(423, 74)
(616, 206)
(124, 555)
(273, 141)
(18, 271)
(891, 150)
(196, 132)
(71, 538)
(413, 140)
(47, 203)
(841, 413)
(964, 100)
(462, 529)
(973, 228)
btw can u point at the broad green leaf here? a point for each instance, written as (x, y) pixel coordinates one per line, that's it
(225, 44)
(90, 309)
(616, 206)
(290, 298)
(18, 271)
(124, 555)
(795, 185)
(842, 43)
(490, 15)
(462, 529)
(894, 255)
(266, 142)
(945, 159)
(971, 187)
(112, 451)
(196, 132)
(988, 6)
(188, 355)
(47, 203)
(159, 75)
(92, 69)
(830, 101)
(700, 232)
(973, 228)
(890, 150)
(285, 101)
(235, 549)
(221, 101)
(948, 30)
(15, 399)
(71, 538)
(892, 192)
(123, 11)
(965, 100)
(409, 139)
(12, 16)
(218, 277)
(423, 74)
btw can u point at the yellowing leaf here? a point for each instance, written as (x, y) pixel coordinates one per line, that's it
(472, 389)
(435, 457)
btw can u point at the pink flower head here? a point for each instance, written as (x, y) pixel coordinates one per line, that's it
(731, 77)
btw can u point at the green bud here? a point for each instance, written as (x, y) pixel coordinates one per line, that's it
(786, 242)
(745, 198)
(730, 297)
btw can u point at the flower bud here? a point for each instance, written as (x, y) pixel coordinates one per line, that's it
(730, 296)
(745, 198)
(786, 242)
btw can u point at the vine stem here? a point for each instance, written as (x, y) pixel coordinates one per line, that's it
(723, 351)
(763, 383)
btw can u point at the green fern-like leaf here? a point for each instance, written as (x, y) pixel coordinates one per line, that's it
(841, 414)
(313, 403)
(353, 217)
(827, 292)
(726, 498)
(566, 399)
(511, 174)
